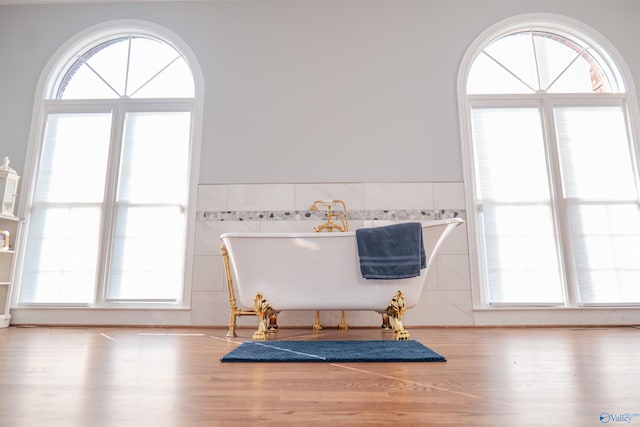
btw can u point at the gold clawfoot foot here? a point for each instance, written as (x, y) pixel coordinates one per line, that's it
(273, 322)
(232, 324)
(317, 326)
(259, 336)
(402, 335)
(264, 311)
(386, 323)
(395, 310)
(343, 322)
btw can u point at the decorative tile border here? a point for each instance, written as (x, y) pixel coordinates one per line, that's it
(293, 215)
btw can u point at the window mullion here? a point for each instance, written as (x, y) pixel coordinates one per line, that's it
(109, 206)
(126, 74)
(536, 60)
(558, 202)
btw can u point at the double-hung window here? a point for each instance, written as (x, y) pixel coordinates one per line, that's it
(552, 172)
(106, 217)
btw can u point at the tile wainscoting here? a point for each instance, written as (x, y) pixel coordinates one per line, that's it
(224, 208)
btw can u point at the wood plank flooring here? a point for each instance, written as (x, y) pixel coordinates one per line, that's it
(101, 376)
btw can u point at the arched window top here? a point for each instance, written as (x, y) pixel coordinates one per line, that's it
(541, 59)
(125, 65)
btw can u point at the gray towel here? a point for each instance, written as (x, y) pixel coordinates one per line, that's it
(391, 252)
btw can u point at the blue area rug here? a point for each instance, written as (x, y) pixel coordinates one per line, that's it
(332, 351)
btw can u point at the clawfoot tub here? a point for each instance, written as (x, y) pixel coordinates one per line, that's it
(273, 272)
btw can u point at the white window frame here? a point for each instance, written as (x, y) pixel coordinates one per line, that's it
(539, 100)
(119, 312)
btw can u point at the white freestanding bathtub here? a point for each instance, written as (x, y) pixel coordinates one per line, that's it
(272, 272)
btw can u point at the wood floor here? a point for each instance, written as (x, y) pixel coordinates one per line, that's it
(57, 376)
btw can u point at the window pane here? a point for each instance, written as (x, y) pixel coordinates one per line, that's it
(581, 76)
(563, 65)
(522, 258)
(148, 250)
(158, 70)
(74, 158)
(595, 153)
(519, 235)
(64, 225)
(86, 84)
(606, 242)
(510, 154)
(109, 62)
(515, 53)
(61, 255)
(173, 82)
(148, 254)
(487, 76)
(154, 160)
(98, 73)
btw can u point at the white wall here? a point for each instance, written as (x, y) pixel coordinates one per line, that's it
(315, 90)
(309, 91)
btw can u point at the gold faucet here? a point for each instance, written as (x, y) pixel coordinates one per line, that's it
(330, 225)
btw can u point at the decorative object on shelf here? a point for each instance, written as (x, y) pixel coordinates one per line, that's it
(4, 240)
(8, 188)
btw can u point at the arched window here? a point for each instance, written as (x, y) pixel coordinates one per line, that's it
(107, 217)
(133, 66)
(551, 169)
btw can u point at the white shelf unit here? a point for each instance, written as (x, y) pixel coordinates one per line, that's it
(12, 225)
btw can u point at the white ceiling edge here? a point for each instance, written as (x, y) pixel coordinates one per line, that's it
(45, 2)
